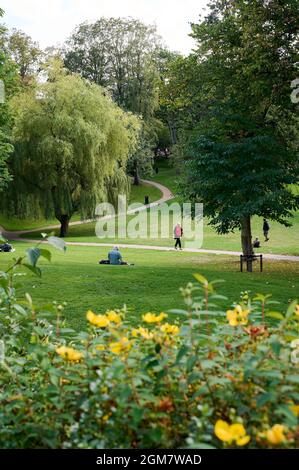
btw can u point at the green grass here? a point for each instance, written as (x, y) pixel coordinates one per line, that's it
(137, 195)
(283, 240)
(24, 224)
(139, 192)
(167, 174)
(151, 285)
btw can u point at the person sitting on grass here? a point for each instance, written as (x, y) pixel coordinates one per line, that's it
(256, 243)
(6, 248)
(114, 258)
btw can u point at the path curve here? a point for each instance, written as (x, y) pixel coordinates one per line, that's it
(166, 196)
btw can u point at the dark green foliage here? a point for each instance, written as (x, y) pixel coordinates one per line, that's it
(72, 144)
(8, 85)
(241, 178)
(240, 150)
(118, 54)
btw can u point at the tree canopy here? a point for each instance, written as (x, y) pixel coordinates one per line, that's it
(126, 57)
(117, 53)
(71, 147)
(8, 85)
(24, 52)
(239, 146)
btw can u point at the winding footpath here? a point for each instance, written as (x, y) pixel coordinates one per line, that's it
(166, 196)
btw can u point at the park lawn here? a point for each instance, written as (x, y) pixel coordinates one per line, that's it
(283, 240)
(138, 193)
(167, 175)
(26, 224)
(151, 285)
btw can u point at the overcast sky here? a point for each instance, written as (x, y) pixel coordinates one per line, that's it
(50, 22)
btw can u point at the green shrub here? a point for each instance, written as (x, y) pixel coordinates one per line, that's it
(217, 379)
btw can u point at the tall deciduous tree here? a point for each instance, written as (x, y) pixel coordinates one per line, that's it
(5, 150)
(118, 54)
(141, 160)
(24, 52)
(122, 55)
(72, 145)
(8, 85)
(241, 154)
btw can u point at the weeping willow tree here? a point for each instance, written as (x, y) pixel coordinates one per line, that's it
(72, 144)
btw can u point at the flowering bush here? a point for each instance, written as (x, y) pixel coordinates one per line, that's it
(211, 380)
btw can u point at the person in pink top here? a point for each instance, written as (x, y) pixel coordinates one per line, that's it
(178, 233)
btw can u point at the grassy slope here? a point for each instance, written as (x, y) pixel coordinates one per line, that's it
(166, 176)
(151, 285)
(137, 195)
(282, 240)
(139, 192)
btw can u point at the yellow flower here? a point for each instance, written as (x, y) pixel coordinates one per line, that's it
(69, 353)
(275, 435)
(231, 432)
(101, 321)
(237, 316)
(113, 317)
(152, 318)
(243, 441)
(100, 347)
(170, 329)
(123, 345)
(295, 409)
(144, 332)
(222, 430)
(106, 417)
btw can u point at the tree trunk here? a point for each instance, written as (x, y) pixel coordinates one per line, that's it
(172, 130)
(246, 239)
(136, 174)
(64, 225)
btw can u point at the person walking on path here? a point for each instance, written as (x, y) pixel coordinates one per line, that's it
(266, 228)
(178, 233)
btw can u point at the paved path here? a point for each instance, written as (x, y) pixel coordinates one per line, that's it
(166, 196)
(167, 249)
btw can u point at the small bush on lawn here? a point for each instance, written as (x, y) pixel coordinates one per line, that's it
(213, 380)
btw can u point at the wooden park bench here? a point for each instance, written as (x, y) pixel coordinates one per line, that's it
(248, 259)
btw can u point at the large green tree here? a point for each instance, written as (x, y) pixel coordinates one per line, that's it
(72, 144)
(240, 154)
(118, 54)
(122, 55)
(24, 52)
(141, 160)
(178, 91)
(8, 85)
(5, 150)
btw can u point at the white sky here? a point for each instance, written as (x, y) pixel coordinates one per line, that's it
(50, 22)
